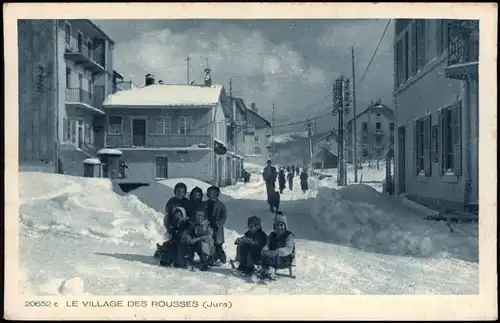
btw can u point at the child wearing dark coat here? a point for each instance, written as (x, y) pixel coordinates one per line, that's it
(179, 199)
(279, 251)
(199, 239)
(250, 246)
(196, 199)
(216, 211)
(173, 250)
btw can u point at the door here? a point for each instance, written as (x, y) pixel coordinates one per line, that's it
(139, 132)
(81, 134)
(80, 88)
(161, 167)
(401, 159)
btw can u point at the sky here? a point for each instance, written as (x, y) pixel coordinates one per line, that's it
(291, 63)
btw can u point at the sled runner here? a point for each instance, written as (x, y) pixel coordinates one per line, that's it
(290, 269)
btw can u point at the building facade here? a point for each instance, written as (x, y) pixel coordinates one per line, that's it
(255, 132)
(65, 72)
(436, 115)
(170, 131)
(374, 134)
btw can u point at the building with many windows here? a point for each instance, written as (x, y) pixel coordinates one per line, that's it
(65, 73)
(436, 115)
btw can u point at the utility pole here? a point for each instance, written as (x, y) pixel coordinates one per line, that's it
(338, 110)
(272, 135)
(187, 67)
(309, 134)
(354, 139)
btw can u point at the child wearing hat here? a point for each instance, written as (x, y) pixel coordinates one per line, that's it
(179, 199)
(250, 246)
(279, 251)
(173, 251)
(216, 211)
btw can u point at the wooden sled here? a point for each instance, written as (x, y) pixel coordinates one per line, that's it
(290, 269)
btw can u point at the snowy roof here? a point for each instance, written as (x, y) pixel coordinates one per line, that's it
(109, 151)
(161, 95)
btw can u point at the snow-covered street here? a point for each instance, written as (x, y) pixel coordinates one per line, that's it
(83, 238)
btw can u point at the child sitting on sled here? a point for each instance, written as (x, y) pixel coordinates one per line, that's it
(279, 251)
(199, 239)
(173, 251)
(250, 246)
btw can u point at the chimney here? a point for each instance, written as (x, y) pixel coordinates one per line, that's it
(208, 78)
(252, 106)
(150, 79)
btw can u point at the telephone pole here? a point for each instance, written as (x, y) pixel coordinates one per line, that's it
(354, 139)
(187, 67)
(309, 134)
(272, 136)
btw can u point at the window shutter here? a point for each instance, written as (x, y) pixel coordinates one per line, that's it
(427, 145)
(414, 45)
(440, 139)
(457, 140)
(439, 36)
(415, 145)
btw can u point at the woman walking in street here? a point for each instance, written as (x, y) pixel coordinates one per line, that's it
(303, 180)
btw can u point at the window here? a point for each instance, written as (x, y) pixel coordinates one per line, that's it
(256, 138)
(378, 115)
(72, 125)
(88, 134)
(365, 126)
(80, 42)
(256, 150)
(418, 46)
(391, 126)
(90, 84)
(68, 78)
(163, 126)
(67, 34)
(185, 125)
(378, 126)
(422, 142)
(378, 139)
(391, 139)
(364, 152)
(451, 146)
(89, 48)
(401, 59)
(115, 125)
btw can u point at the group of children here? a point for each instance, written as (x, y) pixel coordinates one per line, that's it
(195, 226)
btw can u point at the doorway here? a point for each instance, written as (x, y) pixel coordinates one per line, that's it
(161, 167)
(401, 157)
(138, 132)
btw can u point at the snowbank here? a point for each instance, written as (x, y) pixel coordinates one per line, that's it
(359, 216)
(190, 183)
(253, 168)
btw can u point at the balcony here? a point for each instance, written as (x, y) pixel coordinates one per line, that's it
(91, 60)
(463, 49)
(157, 141)
(80, 98)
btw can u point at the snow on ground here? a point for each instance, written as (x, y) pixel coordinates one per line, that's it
(79, 237)
(253, 168)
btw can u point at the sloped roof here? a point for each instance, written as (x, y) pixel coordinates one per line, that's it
(377, 107)
(161, 95)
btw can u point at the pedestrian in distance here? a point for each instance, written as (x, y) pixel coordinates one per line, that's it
(303, 180)
(290, 177)
(281, 180)
(269, 175)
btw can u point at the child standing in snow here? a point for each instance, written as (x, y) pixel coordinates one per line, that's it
(279, 251)
(179, 199)
(199, 239)
(250, 246)
(196, 199)
(281, 180)
(216, 211)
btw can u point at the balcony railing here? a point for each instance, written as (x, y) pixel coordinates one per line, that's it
(83, 97)
(92, 60)
(156, 141)
(463, 48)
